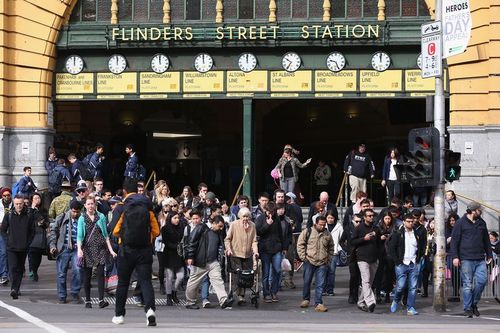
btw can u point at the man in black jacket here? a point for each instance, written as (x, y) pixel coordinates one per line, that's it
(345, 241)
(406, 248)
(469, 247)
(366, 239)
(19, 229)
(202, 253)
(324, 198)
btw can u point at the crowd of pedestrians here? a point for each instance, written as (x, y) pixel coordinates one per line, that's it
(199, 239)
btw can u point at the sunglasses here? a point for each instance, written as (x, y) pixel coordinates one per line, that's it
(173, 205)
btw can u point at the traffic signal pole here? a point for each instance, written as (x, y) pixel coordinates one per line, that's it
(439, 301)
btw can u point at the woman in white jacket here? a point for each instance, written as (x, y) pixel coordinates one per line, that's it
(336, 230)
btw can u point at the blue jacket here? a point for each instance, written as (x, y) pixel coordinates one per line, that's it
(75, 170)
(387, 167)
(65, 172)
(50, 165)
(24, 188)
(95, 165)
(470, 241)
(131, 166)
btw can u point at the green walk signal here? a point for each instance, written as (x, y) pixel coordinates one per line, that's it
(452, 166)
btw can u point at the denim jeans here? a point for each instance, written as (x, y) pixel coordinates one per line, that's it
(406, 273)
(287, 185)
(473, 271)
(4, 268)
(330, 276)
(64, 259)
(270, 284)
(320, 273)
(205, 288)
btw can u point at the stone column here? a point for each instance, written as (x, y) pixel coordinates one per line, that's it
(166, 11)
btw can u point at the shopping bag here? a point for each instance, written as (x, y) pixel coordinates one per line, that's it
(285, 265)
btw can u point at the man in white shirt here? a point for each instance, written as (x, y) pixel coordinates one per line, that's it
(406, 247)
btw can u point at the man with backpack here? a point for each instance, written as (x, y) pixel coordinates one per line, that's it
(25, 186)
(79, 170)
(56, 177)
(93, 161)
(315, 248)
(133, 170)
(137, 228)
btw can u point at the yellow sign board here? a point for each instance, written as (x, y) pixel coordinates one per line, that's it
(75, 84)
(169, 82)
(415, 82)
(108, 83)
(390, 80)
(195, 82)
(331, 81)
(300, 81)
(255, 81)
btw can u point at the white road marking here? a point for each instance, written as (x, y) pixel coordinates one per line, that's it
(490, 318)
(31, 319)
(462, 316)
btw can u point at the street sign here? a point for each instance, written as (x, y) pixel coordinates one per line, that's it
(431, 50)
(457, 26)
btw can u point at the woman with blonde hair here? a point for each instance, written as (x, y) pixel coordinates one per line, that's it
(161, 192)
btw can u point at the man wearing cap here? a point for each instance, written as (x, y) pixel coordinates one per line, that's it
(208, 206)
(356, 165)
(60, 204)
(469, 246)
(5, 206)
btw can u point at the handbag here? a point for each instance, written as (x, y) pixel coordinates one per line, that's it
(159, 245)
(275, 173)
(285, 265)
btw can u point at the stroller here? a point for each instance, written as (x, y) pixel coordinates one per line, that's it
(246, 279)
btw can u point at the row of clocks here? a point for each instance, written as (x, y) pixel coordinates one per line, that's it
(247, 62)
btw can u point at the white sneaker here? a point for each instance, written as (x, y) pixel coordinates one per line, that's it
(151, 318)
(206, 304)
(118, 320)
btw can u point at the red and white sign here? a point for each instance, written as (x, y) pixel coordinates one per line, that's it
(432, 64)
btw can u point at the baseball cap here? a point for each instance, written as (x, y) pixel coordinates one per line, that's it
(473, 206)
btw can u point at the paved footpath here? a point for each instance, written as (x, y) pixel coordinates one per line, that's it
(37, 310)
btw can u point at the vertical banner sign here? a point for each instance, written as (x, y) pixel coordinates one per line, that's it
(431, 50)
(457, 25)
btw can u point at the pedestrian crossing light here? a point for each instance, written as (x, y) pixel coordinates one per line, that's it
(423, 165)
(452, 166)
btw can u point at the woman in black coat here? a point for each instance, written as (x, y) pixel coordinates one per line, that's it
(38, 246)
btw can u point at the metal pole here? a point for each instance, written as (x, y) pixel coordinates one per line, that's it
(247, 147)
(439, 301)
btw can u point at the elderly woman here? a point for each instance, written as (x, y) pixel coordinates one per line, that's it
(241, 246)
(93, 246)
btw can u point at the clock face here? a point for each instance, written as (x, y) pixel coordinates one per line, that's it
(291, 62)
(203, 62)
(335, 61)
(160, 63)
(247, 62)
(381, 61)
(74, 64)
(419, 61)
(117, 64)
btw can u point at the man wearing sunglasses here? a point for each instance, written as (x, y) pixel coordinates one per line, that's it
(366, 239)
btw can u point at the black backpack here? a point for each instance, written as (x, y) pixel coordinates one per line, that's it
(136, 229)
(55, 181)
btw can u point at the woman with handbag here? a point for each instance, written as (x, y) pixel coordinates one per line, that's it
(93, 247)
(38, 245)
(288, 170)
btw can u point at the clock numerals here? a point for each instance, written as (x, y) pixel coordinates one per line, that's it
(74, 64)
(203, 62)
(160, 63)
(247, 62)
(117, 64)
(291, 61)
(380, 61)
(335, 61)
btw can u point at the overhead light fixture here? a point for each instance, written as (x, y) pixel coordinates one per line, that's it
(163, 135)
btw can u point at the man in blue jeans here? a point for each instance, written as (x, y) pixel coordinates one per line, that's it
(470, 246)
(406, 247)
(62, 241)
(315, 249)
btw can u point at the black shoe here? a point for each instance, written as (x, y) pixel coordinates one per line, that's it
(424, 294)
(454, 299)
(468, 313)
(371, 308)
(62, 301)
(363, 308)
(162, 289)
(387, 298)
(88, 305)
(378, 299)
(174, 297)
(35, 276)
(14, 294)
(103, 303)
(351, 300)
(228, 303)
(138, 301)
(169, 300)
(475, 311)
(192, 307)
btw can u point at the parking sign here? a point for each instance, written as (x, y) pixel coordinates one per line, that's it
(431, 50)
